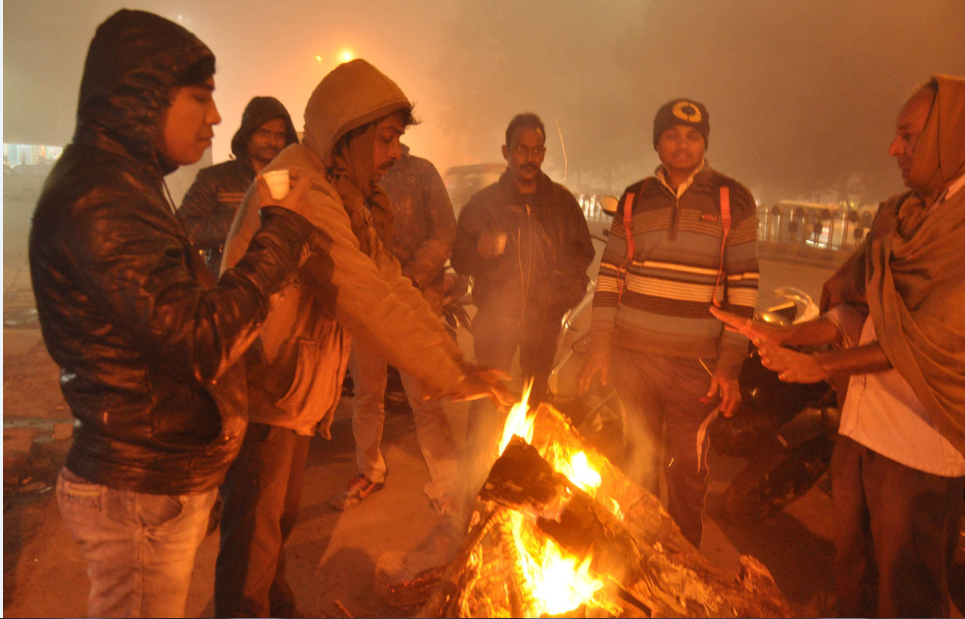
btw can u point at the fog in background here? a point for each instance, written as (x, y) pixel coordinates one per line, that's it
(801, 93)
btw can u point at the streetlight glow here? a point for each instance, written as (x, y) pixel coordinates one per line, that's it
(346, 55)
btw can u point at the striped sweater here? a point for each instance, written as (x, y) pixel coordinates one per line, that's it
(657, 300)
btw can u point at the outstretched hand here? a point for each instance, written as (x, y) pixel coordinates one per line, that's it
(485, 382)
(758, 332)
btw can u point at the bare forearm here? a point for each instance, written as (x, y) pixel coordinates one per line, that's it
(867, 359)
(811, 333)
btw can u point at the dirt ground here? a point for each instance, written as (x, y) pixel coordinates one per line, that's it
(332, 555)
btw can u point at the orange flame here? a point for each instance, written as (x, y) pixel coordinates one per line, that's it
(519, 422)
(557, 583)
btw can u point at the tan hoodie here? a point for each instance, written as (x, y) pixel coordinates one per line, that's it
(295, 374)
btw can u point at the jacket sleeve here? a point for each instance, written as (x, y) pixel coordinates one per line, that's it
(140, 277)
(742, 273)
(465, 259)
(430, 257)
(578, 252)
(372, 299)
(606, 299)
(201, 214)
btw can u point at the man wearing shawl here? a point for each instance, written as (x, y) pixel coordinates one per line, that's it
(897, 307)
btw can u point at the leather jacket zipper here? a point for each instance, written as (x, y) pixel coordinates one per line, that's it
(526, 278)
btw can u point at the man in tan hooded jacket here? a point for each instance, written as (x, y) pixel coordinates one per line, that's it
(353, 122)
(896, 309)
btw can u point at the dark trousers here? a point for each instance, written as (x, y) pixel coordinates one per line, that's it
(659, 391)
(262, 492)
(896, 529)
(497, 332)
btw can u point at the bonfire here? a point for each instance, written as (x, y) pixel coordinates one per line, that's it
(561, 532)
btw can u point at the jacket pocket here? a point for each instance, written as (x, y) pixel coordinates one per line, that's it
(301, 385)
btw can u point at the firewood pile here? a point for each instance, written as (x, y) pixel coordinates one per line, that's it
(561, 532)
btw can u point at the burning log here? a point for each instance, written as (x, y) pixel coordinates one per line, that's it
(553, 543)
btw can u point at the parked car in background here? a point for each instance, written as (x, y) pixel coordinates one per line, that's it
(24, 182)
(465, 180)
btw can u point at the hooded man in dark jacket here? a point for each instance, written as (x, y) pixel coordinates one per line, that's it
(526, 243)
(145, 340)
(210, 204)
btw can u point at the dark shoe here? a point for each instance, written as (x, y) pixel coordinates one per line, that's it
(357, 490)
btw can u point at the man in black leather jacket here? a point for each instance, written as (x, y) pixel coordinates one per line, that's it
(145, 339)
(525, 242)
(210, 205)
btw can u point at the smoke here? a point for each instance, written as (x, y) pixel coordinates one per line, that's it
(802, 94)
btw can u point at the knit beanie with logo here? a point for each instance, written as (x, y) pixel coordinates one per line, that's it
(681, 112)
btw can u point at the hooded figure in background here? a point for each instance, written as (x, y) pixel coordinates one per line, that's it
(352, 287)
(210, 204)
(146, 342)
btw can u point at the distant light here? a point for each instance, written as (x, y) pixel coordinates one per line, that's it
(318, 58)
(346, 55)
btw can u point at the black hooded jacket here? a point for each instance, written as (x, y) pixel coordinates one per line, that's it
(145, 341)
(210, 204)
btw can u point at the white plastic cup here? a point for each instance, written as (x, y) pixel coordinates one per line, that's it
(278, 183)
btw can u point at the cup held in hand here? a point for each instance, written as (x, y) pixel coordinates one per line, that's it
(278, 183)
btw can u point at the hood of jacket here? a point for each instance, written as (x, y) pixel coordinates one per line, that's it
(134, 61)
(940, 153)
(353, 94)
(259, 111)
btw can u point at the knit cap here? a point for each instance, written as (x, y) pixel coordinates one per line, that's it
(681, 112)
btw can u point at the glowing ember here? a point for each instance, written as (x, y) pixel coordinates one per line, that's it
(519, 422)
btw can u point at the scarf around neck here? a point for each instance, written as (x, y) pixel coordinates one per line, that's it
(351, 174)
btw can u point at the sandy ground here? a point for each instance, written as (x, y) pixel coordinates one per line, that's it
(331, 555)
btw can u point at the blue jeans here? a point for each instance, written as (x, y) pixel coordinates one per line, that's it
(139, 547)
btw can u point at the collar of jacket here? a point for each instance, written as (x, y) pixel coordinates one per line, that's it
(704, 173)
(544, 189)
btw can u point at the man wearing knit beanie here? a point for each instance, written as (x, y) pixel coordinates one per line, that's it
(682, 241)
(681, 112)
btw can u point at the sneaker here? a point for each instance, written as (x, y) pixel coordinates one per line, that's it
(357, 490)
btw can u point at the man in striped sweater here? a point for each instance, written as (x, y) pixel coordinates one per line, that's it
(682, 240)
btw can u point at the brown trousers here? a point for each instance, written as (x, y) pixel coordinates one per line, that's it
(262, 493)
(896, 529)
